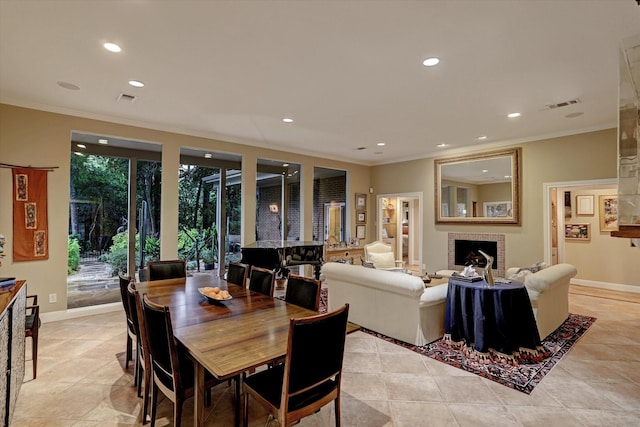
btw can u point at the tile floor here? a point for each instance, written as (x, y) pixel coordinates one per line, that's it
(82, 381)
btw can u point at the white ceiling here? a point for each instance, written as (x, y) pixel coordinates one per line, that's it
(349, 73)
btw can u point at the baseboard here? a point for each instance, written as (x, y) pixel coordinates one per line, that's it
(73, 313)
(606, 285)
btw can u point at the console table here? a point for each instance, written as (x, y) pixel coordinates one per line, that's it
(486, 317)
(349, 254)
(12, 336)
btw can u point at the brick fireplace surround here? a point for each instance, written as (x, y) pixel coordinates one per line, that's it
(481, 237)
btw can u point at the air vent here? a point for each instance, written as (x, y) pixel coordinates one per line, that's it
(562, 104)
(124, 97)
(361, 148)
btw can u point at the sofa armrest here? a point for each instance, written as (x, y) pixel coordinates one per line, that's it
(434, 295)
(550, 277)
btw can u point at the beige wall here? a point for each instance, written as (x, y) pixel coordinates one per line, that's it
(585, 156)
(603, 258)
(37, 138)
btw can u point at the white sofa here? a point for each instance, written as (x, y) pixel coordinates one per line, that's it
(392, 303)
(549, 293)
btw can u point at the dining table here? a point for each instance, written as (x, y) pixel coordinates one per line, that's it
(226, 338)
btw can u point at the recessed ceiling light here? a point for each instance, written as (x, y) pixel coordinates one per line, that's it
(284, 165)
(68, 85)
(482, 137)
(112, 47)
(287, 120)
(507, 176)
(430, 62)
(208, 155)
(81, 146)
(136, 83)
(513, 115)
(103, 141)
(77, 153)
(485, 170)
(441, 145)
(380, 144)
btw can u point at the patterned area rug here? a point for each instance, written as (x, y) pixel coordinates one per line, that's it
(522, 377)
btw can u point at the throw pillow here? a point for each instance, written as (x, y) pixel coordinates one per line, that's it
(520, 275)
(383, 260)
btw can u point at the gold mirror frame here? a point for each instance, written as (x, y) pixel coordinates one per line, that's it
(514, 155)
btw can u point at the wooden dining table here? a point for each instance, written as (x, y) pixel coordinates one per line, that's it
(226, 338)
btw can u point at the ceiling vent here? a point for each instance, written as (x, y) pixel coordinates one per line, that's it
(124, 97)
(361, 148)
(562, 104)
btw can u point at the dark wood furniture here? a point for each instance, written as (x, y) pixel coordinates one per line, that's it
(32, 327)
(166, 269)
(226, 339)
(279, 255)
(12, 339)
(262, 280)
(310, 378)
(303, 291)
(237, 273)
(131, 332)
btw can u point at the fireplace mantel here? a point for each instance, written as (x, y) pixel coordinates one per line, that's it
(480, 237)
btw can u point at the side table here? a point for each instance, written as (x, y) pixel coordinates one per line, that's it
(486, 317)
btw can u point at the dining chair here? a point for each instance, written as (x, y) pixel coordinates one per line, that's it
(172, 370)
(167, 269)
(143, 357)
(311, 375)
(131, 333)
(32, 326)
(262, 280)
(237, 274)
(303, 291)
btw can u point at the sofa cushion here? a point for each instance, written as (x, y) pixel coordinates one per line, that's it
(383, 260)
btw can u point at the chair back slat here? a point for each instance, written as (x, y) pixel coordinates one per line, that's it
(262, 280)
(316, 349)
(303, 291)
(167, 269)
(237, 274)
(157, 321)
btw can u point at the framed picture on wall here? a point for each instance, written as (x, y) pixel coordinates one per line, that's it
(361, 201)
(580, 232)
(361, 217)
(584, 205)
(608, 213)
(361, 231)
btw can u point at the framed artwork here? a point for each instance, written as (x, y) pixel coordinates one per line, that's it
(361, 217)
(580, 232)
(361, 231)
(608, 213)
(584, 205)
(497, 209)
(361, 201)
(567, 204)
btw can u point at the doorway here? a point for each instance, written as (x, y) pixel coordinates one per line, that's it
(399, 224)
(334, 221)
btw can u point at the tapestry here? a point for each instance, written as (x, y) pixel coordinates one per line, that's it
(30, 229)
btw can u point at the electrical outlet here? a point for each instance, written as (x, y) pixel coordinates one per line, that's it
(424, 266)
(53, 298)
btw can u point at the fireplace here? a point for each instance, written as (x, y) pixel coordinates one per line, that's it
(464, 247)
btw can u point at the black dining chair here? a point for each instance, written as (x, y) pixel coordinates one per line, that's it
(172, 370)
(142, 372)
(311, 375)
(167, 269)
(131, 332)
(303, 291)
(32, 327)
(262, 280)
(237, 274)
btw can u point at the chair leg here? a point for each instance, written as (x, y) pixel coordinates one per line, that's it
(145, 403)
(177, 412)
(154, 404)
(336, 404)
(128, 355)
(34, 354)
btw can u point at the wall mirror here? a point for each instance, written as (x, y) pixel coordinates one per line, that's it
(481, 188)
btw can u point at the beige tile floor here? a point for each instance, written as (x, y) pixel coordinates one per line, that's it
(82, 381)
